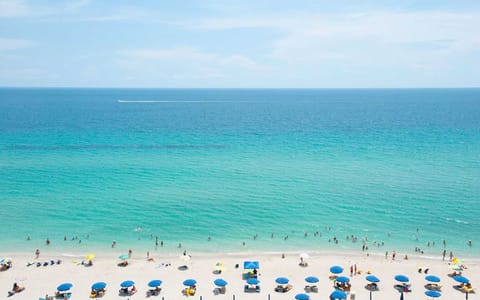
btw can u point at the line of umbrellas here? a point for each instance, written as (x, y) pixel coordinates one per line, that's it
(337, 294)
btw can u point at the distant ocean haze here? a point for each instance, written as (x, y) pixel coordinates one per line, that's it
(188, 164)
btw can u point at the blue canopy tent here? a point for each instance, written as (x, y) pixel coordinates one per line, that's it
(249, 265)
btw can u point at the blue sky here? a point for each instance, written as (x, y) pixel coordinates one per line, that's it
(317, 44)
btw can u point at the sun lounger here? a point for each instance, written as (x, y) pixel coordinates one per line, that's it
(251, 289)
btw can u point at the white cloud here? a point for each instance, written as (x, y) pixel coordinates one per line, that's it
(14, 44)
(13, 8)
(20, 8)
(315, 36)
(190, 55)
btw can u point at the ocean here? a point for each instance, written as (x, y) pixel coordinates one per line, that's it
(235, 170)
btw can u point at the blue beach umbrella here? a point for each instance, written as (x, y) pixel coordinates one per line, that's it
(311, 279)
(98, 286)
(401, 278)
(281, 280)
(253, 281)
(432, 278)
(127, 284)
(220, 282)
(155, 283)
(64, 287)
(302, 297)
(372, 278)
(433, 294)
(336, 269)
(343, 279)
(337, 294)
(190, 282)
(461, 279)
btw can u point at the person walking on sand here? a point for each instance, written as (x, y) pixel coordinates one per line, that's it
(351, 270)
(393, 255)
(37, 253)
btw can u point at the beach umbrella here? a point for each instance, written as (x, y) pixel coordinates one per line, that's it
(127, 284)
(457, 261)
(90, 256)
(281, 280)
(64, 287)
(461, 279)
(401, 278)
(336, 269)
(155, 283)
(220, 282)
(432, 278)
(251, 265)
(374, 279)
(342, 279)
(337, 294)
(190, 282)
(123, 257)
(253, 281)
(433, 294)
(98, 286)
(302, 297)
(311, 279)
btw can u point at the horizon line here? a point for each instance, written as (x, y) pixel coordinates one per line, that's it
(239, 88)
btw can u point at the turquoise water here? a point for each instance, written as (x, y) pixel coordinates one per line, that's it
(230, 164)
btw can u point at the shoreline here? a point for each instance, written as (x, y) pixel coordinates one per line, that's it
(44, 279)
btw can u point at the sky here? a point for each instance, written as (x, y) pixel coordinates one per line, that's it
(240, 44)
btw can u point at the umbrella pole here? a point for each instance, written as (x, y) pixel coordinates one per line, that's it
(466, 295)
(370, 295)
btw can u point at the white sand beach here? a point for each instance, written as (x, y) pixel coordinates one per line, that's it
(43, 280)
